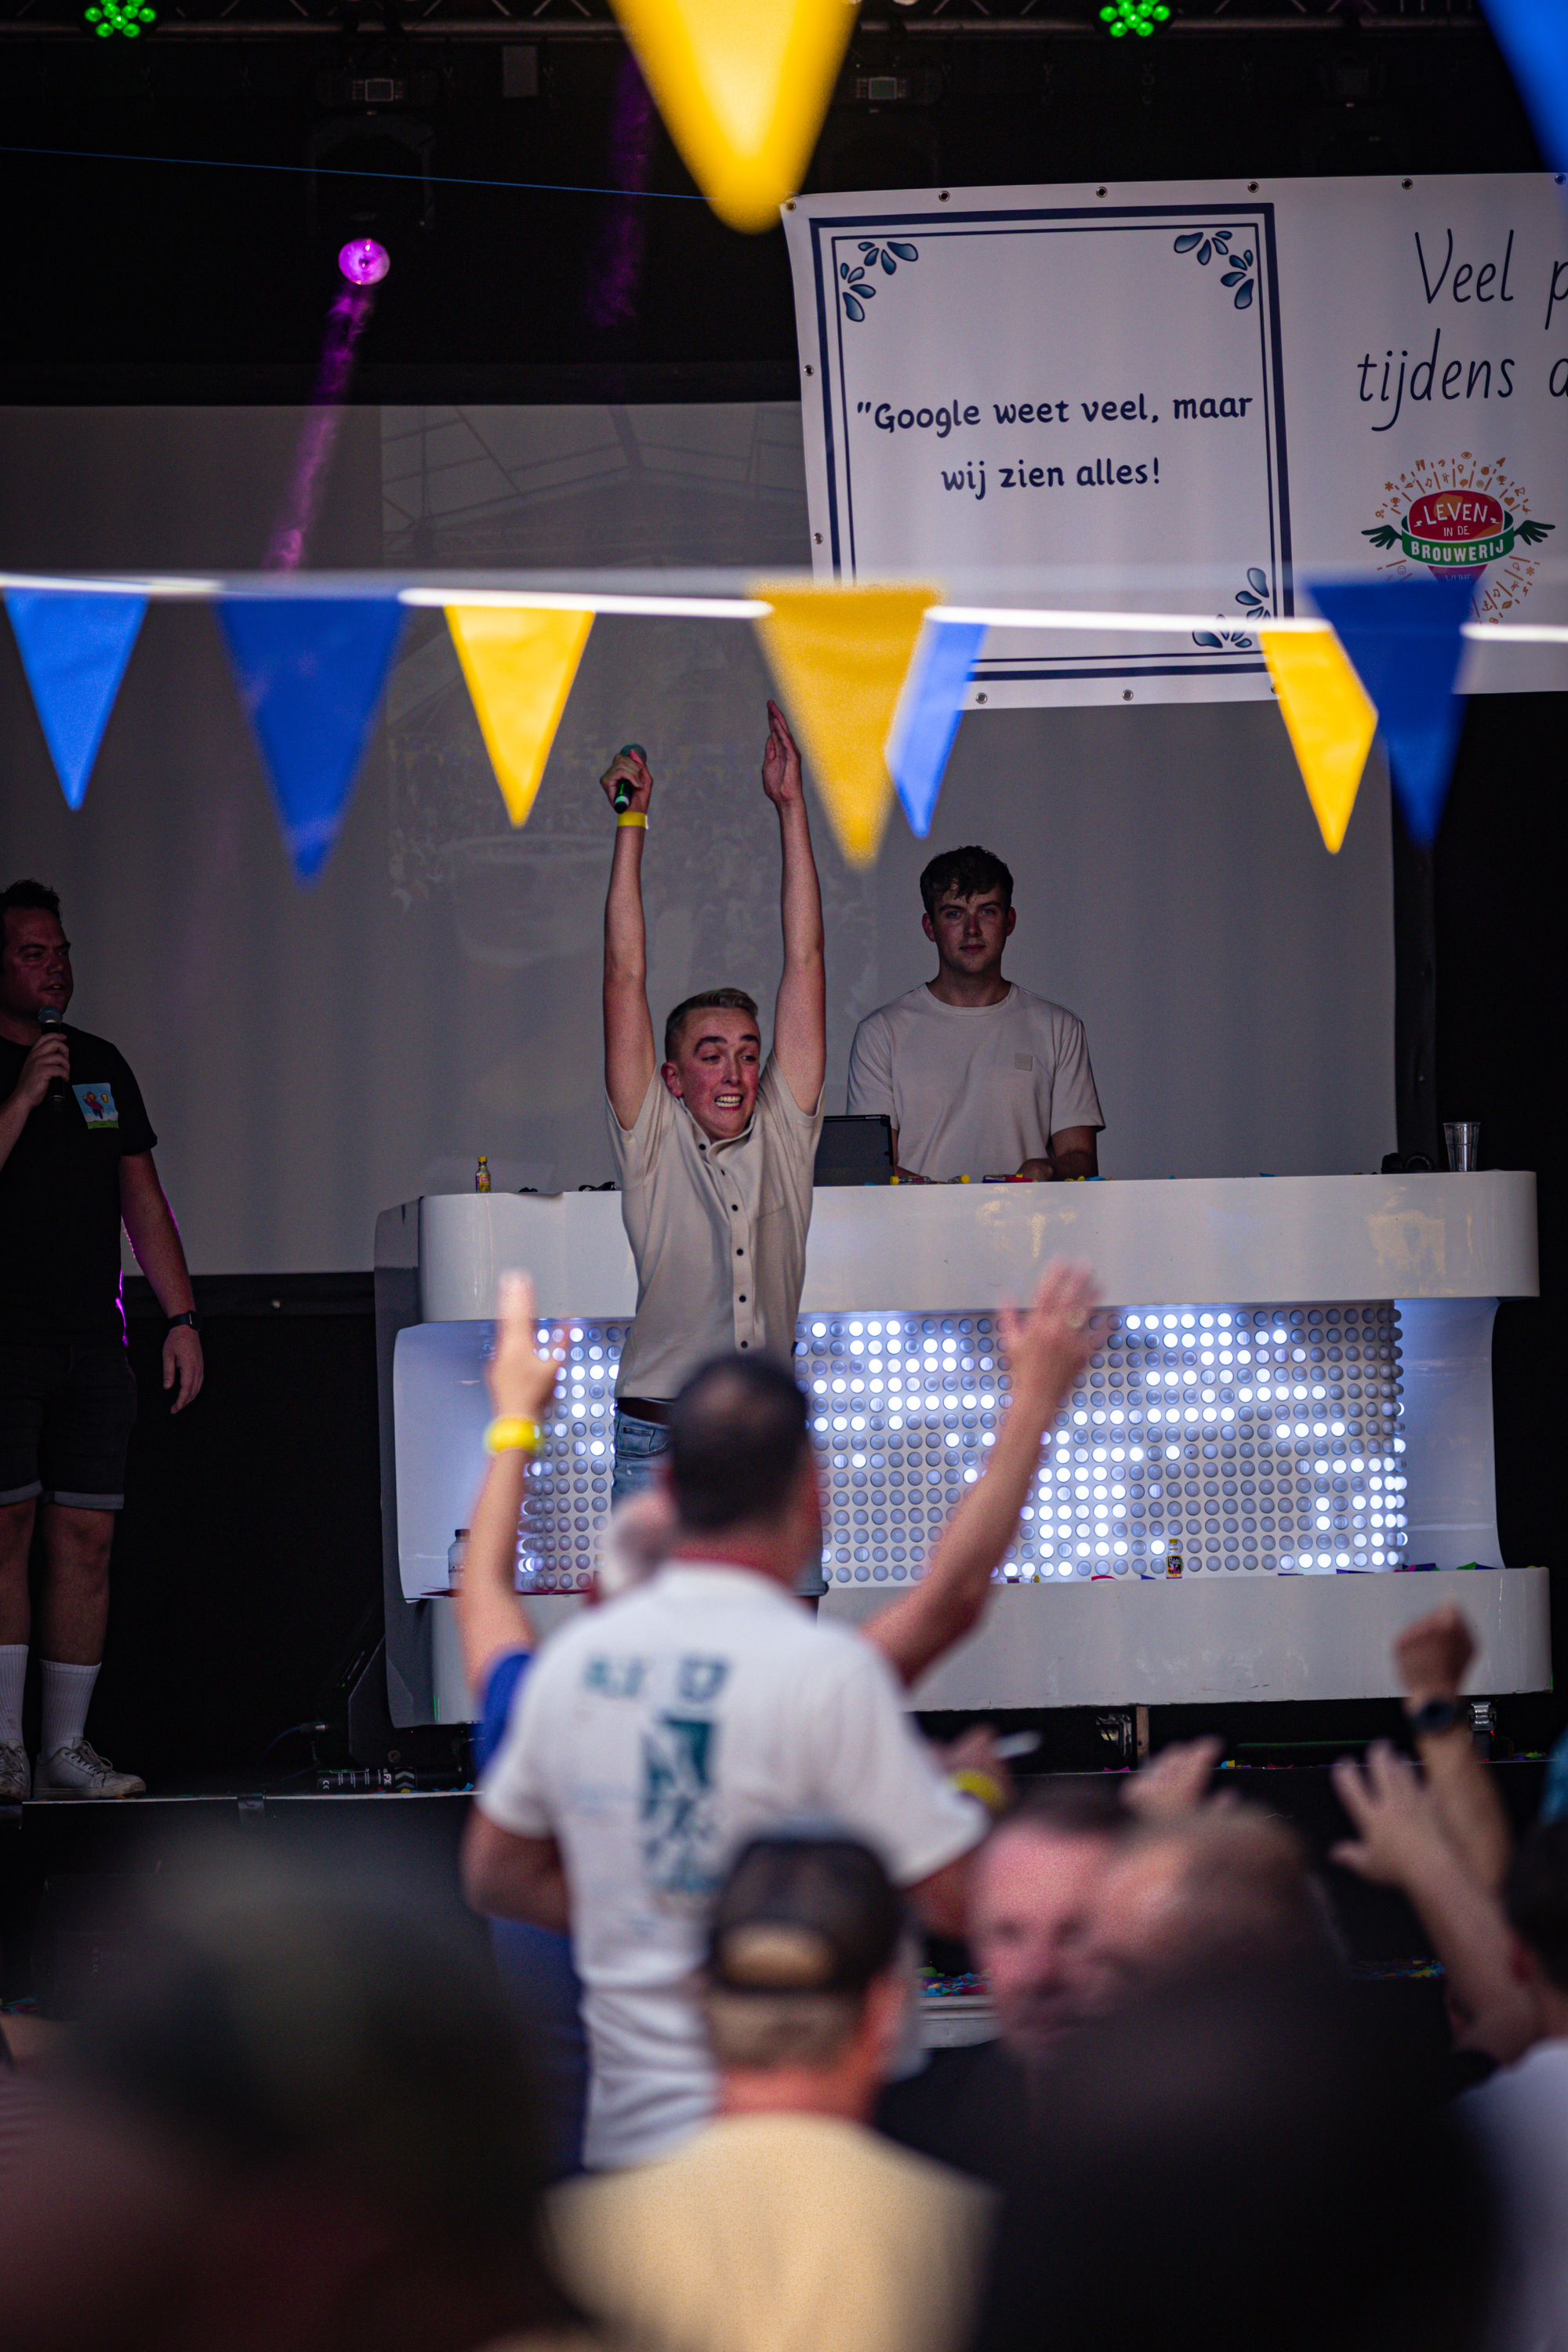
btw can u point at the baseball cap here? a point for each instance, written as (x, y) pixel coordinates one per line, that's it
(807, 1910)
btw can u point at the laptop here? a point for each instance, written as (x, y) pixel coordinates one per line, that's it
(855, 1150)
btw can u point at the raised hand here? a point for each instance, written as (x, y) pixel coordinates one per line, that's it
(1176, 1784)
(637, 773)
(1433, 1654)
(1048, 1344)
(781, 762)
(520, 1381)
(1396, 1821)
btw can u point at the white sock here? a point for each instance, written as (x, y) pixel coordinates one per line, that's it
(13, 1675)
(67, 1694)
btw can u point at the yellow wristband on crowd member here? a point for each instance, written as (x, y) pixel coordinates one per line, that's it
(632, 816)
(510, 1433)
(982, 1786)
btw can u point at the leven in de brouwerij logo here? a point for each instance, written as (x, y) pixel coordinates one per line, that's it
(1457, 515)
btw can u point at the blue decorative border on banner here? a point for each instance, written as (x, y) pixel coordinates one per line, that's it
(1255, 217)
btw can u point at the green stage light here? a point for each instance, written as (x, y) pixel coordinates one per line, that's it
(1139, 16)
(127, 16)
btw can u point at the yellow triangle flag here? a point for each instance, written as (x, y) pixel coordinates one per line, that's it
(1330, 717)
(743, 86)
(520, 666)
(840, 657)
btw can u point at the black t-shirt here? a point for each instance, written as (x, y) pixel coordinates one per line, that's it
(60, 1197)
(967, 2107)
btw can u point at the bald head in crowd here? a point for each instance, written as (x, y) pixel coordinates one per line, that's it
(1214, 1890)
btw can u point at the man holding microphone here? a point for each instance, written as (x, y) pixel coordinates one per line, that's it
(714, 1147)
(76, 1161)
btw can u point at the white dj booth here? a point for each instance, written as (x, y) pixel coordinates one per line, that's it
(1292, 1412)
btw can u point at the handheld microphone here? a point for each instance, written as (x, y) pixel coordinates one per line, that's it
(623, 799)
(49, 1019)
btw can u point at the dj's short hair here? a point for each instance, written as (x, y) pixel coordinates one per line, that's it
(967, 871)
(737, 1437)
(710, 1000)
(28, 898)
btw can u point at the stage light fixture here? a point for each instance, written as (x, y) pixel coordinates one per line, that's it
(128, 16)
(1139, 16)
(363, 262)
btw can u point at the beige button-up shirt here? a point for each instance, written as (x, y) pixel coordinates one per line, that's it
(718, 1232)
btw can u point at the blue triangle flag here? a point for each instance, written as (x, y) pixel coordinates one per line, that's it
(1403, 640)
(926, 720)
(1531, 36)
(310, 671)
(74, 648)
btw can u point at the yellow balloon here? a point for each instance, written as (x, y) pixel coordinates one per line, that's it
(743, 86)
(840, 657)
(520, 666)
(1330, 720)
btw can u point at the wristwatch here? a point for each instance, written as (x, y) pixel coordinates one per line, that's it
(190, 1319)
(1433, 1717)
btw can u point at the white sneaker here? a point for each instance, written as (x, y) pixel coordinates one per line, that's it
(15, 1782)
(80, 1771)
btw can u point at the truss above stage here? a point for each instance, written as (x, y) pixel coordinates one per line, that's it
(921, 20)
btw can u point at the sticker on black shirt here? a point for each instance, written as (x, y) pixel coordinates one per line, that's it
(98, 1104)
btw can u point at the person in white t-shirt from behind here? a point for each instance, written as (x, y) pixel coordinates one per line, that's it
(653, 1737)
(978, 1076)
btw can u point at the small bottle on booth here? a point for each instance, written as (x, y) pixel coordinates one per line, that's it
(482, 1175)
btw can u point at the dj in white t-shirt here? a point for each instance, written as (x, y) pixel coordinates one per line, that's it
(978, 1076)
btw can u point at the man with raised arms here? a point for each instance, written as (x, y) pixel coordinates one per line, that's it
(714, 1147)
(978, 1076)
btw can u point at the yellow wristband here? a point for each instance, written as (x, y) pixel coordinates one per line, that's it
(510, 1433)
(632, 816)
(982, 1786)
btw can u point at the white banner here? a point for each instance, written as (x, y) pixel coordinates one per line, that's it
(1189, 397)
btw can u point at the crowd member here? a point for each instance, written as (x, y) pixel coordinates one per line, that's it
(306, 2122)
(1402, 1841)
(1522, 2113)
(76, 1162)
(714, 1148)
(652, 1738)
(1432, 1656)
(784, 2224)
(497, 1641)
(1045, 1349)
(1032, 1899)
(978, 1076)
(1233, 2161)
(1224, 1887)
(1444, 1840)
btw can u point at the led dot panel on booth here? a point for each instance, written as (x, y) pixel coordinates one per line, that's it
(1203, 1439)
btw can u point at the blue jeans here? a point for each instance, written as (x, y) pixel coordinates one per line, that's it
(640, 1447)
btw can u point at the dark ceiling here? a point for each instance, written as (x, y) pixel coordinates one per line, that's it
(192, 278)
